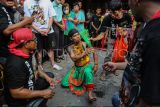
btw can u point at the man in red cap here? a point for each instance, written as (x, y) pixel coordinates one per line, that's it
(22, 85)
(7, 26)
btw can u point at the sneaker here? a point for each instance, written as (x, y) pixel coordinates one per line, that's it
(57, 67)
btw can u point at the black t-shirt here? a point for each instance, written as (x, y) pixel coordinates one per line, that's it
(96, 20)
(4, 23)
(110, 22)
(150, 67)
(18, 73)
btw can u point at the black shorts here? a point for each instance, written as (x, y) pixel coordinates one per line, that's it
(46, 42)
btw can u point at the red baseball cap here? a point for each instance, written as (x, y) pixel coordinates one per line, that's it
(20, 36)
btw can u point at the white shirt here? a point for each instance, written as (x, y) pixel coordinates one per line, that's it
(42, 10)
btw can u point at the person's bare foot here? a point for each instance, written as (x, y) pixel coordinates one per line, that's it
(91, 98)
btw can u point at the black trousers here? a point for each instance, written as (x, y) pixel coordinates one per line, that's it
(40, 84)
(59, 40)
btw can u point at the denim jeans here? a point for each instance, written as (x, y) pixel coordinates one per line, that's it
(116, 101)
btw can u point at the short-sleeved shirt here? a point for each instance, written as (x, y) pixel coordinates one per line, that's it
(112, 23)
(18, 73)
(5, 21)
(80, 16)
(42, 10)
(69, 24)
(58, 10)
(96, 21)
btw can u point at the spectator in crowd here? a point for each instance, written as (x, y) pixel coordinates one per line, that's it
(43, 13)
(67, 17)
(80, 3)
(95, 26)
(79, 17)
(107, 12)
(141, 71)
(81, 6)
(109, 26)
(21, 7)
(63, 2)
(19, 11)
(89, 14)
(58, 26)
(22, 85)
(7, 27)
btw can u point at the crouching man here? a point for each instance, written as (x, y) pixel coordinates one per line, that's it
(23, 86)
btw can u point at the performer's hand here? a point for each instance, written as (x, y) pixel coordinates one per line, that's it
(95, 69)
(110, 66)
(89, 50)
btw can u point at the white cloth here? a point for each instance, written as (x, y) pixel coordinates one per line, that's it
(42, 10)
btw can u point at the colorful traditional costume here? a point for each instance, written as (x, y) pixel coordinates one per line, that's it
(80, 77)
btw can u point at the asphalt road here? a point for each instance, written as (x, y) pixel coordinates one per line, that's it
(103, 89)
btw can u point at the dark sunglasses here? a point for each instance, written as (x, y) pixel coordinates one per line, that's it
(34, 40)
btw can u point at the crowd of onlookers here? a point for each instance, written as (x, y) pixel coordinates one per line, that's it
(34, 28)
(45, 24)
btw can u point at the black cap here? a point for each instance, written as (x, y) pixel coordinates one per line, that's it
(72, 32)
